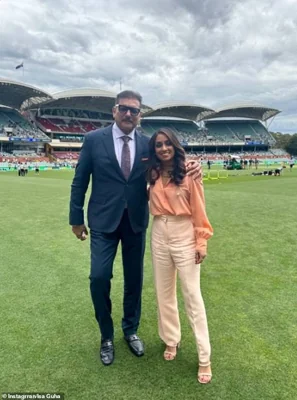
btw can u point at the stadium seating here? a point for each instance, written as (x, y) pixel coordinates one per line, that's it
(57, 125)
(45, 124)
(15, 158)
(62, 155)
(279, 152)
(18, 126)
(185, 130)
(216, 132)
(219, 156)
(238, 130)
(220, 132)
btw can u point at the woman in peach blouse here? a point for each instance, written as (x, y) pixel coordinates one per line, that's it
(180, 231)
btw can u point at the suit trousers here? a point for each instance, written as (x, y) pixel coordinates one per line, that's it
(103, 251)
(173, 251)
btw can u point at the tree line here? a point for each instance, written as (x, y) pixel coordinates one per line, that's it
(286, 141)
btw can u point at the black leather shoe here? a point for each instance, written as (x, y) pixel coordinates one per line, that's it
(107, 352)
(135, 345)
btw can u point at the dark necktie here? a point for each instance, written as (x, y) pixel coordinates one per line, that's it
(126, 161)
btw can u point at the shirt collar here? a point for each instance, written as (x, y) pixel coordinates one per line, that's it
(118, 133)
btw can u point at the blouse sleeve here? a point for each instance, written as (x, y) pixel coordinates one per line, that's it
(202, 226)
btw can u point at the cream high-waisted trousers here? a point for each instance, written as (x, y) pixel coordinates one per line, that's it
(173, 250)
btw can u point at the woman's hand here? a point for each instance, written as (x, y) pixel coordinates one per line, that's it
(200, 256)
(194, 168)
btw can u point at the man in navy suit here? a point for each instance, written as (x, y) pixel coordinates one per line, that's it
(116, 157)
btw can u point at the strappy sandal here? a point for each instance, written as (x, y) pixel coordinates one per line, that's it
(204, 374)
(168, 355)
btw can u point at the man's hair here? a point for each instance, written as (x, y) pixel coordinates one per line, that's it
(128, 94)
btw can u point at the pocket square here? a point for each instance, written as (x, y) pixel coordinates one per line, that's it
(144, 159)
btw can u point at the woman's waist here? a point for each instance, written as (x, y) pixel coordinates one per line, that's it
(173, 218)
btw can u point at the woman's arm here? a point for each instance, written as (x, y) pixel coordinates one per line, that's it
(202, 226)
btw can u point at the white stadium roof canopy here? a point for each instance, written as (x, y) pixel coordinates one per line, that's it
(179, 110)
(21, 96)
(85, 99)
(15, 94)
(244, 110)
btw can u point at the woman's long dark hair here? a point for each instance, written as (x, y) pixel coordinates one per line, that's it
(155, 165)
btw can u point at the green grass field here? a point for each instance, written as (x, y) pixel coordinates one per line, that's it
(49, 337)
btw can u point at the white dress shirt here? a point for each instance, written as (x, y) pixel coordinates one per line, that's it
(119, 143)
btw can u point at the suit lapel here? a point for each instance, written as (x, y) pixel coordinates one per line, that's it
(138, 152)
(109, 146)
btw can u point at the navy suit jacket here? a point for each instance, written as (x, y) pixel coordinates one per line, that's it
(111, 192)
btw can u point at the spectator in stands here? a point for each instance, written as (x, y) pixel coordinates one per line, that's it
(180, 231)
(116, 157)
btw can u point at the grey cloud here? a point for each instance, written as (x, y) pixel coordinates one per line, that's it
(208, 52)
(205, 12)
(270, 55)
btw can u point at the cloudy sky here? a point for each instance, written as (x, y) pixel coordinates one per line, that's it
(209, 52)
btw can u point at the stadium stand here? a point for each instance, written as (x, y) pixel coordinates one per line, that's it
(30, 117)
(185, 130)
(245, 122)
(238, 130)
(13, 124)
(56, 125)
(61, 155)
(279, 153)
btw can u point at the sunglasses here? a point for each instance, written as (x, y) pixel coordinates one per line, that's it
(124, 109)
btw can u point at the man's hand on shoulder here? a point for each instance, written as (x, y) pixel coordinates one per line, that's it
(80, 231)
(194, 169)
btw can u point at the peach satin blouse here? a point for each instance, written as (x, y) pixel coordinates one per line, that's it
(185, 199)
